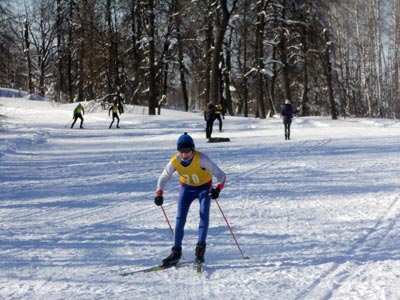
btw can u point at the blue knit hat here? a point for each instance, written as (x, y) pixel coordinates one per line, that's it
(185, 141)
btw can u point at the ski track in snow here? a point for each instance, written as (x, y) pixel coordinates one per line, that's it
(318, 215)
(335, 276)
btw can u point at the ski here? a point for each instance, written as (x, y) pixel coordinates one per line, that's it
(154, 269)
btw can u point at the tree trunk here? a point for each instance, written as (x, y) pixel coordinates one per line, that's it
(283, 56)
(69, 54)
(260, 112)
(41, 63)
(395, 95)
(29, 82)
(164, 61)
(110, 49)
(208, 52)
(244, 83)
(328, 74)
(222, 20)
(274, 77)
(82, 51)
(135, 53)
(178, 24)
(362, 62)
(152, 59)
(60, 75)
(227, 71)
(304, 98)
(378, 45)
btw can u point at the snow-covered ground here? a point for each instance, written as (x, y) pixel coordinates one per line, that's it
(319, 215)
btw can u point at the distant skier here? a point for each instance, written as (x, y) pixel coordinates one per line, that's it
(287, 113)
(114, 109)
(195, 171)
(209, 117)
(78, 112)
(219, 111)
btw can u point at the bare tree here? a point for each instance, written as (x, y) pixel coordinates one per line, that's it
(27, 52)
(259, 58)
(42, 33)
(194, 51)
(151, 58)
(178, 25)
(69, 51)
(112, 50)
(59, 62)
(221, 23)
(8, 65)
(326, 57)
(395, 93)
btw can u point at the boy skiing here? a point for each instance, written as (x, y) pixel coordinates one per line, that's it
(195, 171)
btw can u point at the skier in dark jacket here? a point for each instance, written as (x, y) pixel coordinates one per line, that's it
(195, 171)
(287, 113)
(209, 117)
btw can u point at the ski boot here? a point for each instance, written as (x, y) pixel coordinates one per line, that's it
(173, 258)
(200, 251)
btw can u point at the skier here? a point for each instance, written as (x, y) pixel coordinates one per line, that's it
(287, 114)
(209, 117)
(78, 111)
(195, 171)
(114, 109)
(218, 113)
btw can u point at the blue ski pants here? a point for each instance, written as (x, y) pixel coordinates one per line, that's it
(186, 196)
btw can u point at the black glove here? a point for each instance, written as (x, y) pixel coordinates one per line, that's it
(214, 193)
(158, 200)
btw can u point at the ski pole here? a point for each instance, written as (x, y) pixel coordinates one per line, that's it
(230, 229)
(69, 123)
(169, 224)
(166, 218)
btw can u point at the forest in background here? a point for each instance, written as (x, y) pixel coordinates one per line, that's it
(330, 57)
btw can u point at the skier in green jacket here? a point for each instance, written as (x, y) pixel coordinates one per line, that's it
(114, 109)
(78, 112)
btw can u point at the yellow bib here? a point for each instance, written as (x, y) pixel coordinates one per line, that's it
(193, 174)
